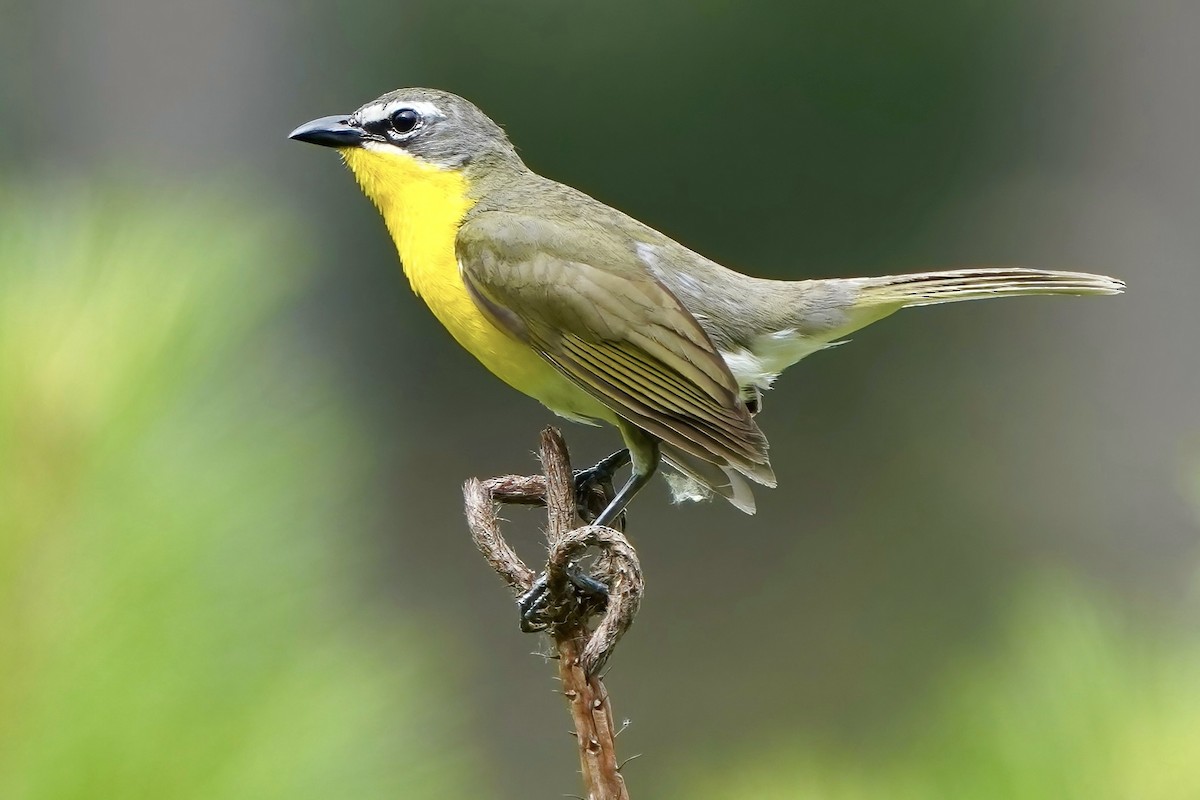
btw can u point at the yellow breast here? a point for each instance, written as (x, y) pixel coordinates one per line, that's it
(423, 207)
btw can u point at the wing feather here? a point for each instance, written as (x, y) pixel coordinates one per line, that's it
(586, 304)
(685, 421)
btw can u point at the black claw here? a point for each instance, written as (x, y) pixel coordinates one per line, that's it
(589, 506)
(603, 471)
(586, 584)
(532, 604)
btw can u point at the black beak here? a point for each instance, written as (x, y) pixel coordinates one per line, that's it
(329, 132)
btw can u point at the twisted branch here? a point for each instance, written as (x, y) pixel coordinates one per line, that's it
(582, 652)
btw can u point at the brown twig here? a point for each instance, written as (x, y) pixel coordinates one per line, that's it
(582, 652)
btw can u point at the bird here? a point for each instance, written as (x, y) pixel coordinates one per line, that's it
(602, 318)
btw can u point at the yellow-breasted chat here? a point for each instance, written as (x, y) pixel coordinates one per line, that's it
(600, 317)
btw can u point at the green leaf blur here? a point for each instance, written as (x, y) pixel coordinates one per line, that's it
(177, 484)
(1077, 704)
(232, 554)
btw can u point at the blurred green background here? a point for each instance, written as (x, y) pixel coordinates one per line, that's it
(232, 558)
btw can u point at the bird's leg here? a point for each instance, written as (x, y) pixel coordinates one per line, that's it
(644, 468)
(632, 486)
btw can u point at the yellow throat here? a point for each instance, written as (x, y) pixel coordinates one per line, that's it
(423, 206)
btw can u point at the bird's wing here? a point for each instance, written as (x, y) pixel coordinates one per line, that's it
(580, 297)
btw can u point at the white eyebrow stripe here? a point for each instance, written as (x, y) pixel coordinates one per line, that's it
(381, 111)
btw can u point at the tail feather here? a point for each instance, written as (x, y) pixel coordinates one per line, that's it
(928, 288)
(823, 311)
(692, 479)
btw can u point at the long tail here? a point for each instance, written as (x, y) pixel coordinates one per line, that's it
(823, 311)
(871, 299)
(927, 288)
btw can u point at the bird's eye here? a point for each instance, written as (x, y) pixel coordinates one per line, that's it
(404, 120)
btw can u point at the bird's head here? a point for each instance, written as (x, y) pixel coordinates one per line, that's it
(412, 129)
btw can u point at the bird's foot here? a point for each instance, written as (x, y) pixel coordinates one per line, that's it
(593, 493)
(536, 613)
(594, 485)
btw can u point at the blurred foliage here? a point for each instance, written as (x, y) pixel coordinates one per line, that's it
(1078, 703)
(787, 93)
(177, 488)
(195, 540)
